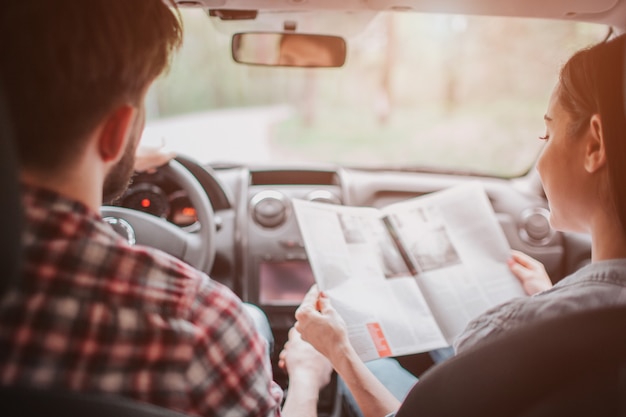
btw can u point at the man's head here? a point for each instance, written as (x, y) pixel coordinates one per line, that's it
(118, 178)
(67, 64)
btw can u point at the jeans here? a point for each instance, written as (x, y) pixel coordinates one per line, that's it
(393, 376)
(398, 381)
(262, 324)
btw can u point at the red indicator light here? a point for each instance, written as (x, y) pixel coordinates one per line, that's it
(145, 203)
(189, 211)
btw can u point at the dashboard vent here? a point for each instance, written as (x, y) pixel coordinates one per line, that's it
(535, 226)
(297, 177)
(269, 208)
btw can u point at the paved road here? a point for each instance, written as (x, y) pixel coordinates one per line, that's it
(232, 135)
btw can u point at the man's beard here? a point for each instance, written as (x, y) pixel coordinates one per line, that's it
(120, 177)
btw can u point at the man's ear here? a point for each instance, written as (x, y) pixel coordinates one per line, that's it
(115, 132)
(595, 151)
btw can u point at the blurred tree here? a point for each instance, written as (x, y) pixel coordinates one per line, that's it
(384, 99)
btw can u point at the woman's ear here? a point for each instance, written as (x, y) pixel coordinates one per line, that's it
(595, 151)
(115, 132)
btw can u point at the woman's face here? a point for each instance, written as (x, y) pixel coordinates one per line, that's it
(561, 168)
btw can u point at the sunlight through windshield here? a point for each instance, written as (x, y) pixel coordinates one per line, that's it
(417, 92)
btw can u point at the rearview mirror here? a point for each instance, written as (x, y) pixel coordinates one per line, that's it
(288, 49)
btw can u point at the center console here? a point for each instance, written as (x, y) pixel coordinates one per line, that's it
(276, 273)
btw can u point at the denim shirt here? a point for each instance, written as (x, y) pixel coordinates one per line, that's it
(599, 284)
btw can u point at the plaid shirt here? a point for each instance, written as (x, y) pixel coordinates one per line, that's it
(95, 314)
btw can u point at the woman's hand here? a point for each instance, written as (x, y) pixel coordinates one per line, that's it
(321, 326)
(531, 273)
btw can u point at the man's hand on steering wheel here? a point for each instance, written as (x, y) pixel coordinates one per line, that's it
(149, 158)
(196, 248)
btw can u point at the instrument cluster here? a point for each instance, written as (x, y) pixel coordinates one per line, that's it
(158, 196)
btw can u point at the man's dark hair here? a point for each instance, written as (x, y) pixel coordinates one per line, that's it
(66, 63)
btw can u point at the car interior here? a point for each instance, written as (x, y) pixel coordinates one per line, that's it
(233, 218)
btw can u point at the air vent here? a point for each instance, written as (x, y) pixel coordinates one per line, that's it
(535, 226)
(269, 208)
(293, 177)
(323, 196)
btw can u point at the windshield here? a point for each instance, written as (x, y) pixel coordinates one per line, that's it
(417, 91)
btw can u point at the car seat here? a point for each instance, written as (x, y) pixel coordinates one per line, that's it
(573, 365)
(10, 209)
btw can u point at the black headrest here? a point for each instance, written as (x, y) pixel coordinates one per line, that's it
(10, 204)
(572, 365)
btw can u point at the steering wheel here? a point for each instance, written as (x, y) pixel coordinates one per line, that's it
(195, 248)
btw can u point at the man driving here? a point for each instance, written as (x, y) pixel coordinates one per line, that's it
(91, 312)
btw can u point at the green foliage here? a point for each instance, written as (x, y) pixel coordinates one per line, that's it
(416, 90)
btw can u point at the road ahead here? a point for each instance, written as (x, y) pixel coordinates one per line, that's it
(232, 135)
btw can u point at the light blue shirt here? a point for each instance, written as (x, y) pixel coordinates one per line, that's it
(597, 285)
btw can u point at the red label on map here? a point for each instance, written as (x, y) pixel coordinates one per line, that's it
(379, 339)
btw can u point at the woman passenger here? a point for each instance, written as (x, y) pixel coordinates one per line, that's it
(583, 171)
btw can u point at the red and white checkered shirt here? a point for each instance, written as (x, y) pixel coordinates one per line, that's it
(95, 314)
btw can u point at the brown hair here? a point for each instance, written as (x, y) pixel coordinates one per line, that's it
(66, 63)
(592, 82)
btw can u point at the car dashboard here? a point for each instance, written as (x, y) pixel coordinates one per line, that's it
(260, 254)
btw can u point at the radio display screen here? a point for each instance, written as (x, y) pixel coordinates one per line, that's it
(284, 282)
